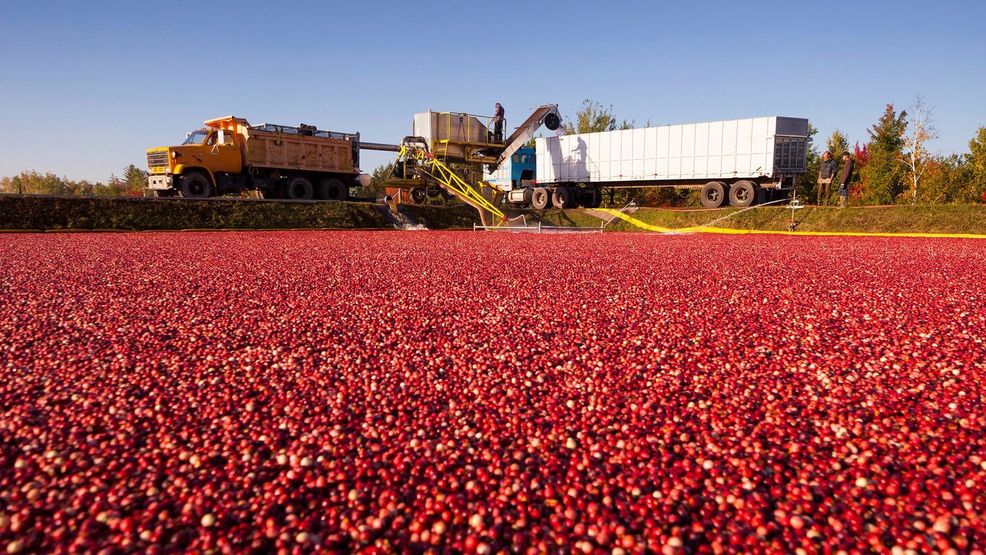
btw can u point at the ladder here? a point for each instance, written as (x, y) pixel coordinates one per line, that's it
(415, 157)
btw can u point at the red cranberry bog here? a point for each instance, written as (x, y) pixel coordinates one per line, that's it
(485, 392)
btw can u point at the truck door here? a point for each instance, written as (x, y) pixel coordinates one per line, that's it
(224, 154)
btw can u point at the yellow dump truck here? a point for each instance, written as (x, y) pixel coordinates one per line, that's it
(229, 155)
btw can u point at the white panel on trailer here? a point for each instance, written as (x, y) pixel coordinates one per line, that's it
(715, 149)
(701, 165)
(728, 148)
(650, 153)
(687, 151)
(599, 153)
(718, 150)
(639, 142)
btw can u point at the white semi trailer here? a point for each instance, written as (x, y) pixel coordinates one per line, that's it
(736, 161)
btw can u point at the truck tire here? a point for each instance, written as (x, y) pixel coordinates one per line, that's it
(540, 198)
(299, 188)
(195, 185)
(594, 198)
(743, 193)
(331, 188)
(563, 198)
(528, 196)
(419, 195)
(714, 194)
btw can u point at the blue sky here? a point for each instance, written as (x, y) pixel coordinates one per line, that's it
(85, 88)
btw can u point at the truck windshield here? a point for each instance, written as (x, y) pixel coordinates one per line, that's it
(196, 137)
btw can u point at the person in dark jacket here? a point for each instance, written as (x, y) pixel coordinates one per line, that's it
(845, 176)
(498, 123)
(826, 173)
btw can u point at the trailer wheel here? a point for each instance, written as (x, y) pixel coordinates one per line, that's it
(595, 198)
(540, 198)
(195, 185)
(419, 195)
(331, 188)
(713, 194)
(743, 194)
(299, 188)
(562, 198)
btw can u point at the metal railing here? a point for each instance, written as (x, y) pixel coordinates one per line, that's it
(485, 122)
(298, 130)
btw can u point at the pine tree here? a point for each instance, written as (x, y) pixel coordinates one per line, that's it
(135, 178)
(883, 177)
(837, 144)
(977, 163)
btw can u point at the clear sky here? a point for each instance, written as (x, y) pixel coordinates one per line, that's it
(86, 87)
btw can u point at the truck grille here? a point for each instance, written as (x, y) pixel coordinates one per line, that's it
(157, 159)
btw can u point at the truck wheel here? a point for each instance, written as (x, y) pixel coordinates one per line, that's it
(713, 194)
(419, 195)
(595, 198)
(540, 198)
(331, 188)
(195, 185)
(299, 188)
(562, 198)
(528, 196)
(743, 194)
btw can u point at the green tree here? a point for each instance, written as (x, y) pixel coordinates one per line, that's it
(378, 179)
(883, 177)
(36, 183)
(136, 179)
(837, 144)
(592, 117)
(948, 180)
(977, 165)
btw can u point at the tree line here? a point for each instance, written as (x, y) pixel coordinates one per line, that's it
(130, 184)
(894, 166)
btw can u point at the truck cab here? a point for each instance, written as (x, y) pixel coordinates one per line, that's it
(516, 172)
(191, 167)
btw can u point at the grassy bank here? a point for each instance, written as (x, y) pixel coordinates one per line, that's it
(60, 213)
(53, 213)
(455, 216)
(56, 213)
(965, 218)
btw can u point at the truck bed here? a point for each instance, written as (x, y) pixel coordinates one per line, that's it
(292, 151)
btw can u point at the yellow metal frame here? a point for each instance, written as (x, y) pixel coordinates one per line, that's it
(434, 168)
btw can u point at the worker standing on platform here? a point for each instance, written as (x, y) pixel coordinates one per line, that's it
(498, 123)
